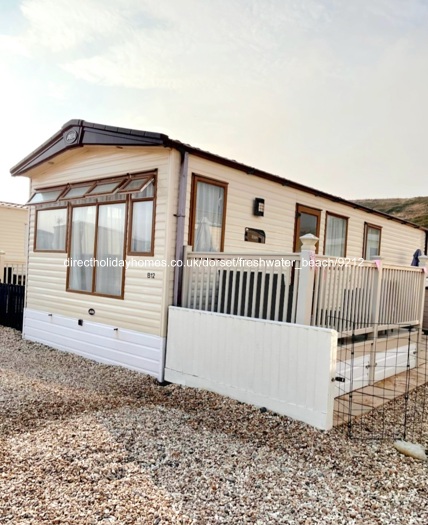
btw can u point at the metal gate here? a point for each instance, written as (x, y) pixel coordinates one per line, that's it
(382, 385)
(12, 305)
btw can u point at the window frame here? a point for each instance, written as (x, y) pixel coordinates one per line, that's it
(131, 222)
(102, 182)
(37, 250)
(60, 188)
(303, 208)
(97, 200)
(63, 196)
(192, 218)
(143, 177)
(122, 180)
(367, 226)
(338, 216)
(124, 253)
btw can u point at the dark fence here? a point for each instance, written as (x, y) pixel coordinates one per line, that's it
(12, 305)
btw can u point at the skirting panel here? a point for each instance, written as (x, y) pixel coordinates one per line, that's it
(99, 342)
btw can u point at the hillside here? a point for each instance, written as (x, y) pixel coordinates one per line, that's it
(414, 209)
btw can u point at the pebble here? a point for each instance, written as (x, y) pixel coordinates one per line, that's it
(83, 443)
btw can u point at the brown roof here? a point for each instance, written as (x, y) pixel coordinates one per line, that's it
(78, 133)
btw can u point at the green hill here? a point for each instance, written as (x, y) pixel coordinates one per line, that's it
(414, 209)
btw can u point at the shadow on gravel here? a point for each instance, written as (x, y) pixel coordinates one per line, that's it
(39, 385)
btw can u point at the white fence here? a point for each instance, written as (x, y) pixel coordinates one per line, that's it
(401, 295)
(12, 272)
(257, 286)
(263, 329)
(365, 296)
(284, 367)
(350, 296)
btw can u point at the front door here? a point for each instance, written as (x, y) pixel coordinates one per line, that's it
(307, 221)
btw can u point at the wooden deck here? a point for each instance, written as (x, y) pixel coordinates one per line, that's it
(364, 400)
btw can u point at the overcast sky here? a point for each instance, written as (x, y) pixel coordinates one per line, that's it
(333, 93)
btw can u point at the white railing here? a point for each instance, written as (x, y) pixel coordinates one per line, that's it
(258, 286)
(13, 272)
(401, 294)
(359, 296)
(343, 293)
(348, 295)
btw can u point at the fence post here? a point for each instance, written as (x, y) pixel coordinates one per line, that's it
(185, 277)
(2, 265)
(423, 263)
(377, 286)
(306, 280)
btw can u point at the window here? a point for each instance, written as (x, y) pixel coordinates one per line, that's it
(372, 236)
(125, 184)
(76, 192)
(136, 185)
(142, 219)
(97, 249)
(208, 212)
(335, 235)
(103, 216)
(142, 227)
(104, 188)
(42, 196)
(51, 230)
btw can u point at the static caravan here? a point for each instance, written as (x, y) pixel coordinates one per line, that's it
(13, 241)
(112, 209)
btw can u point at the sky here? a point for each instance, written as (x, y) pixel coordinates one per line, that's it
(332, 94)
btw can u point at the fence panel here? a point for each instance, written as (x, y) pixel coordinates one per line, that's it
(283, 367)
(401, 291)
(12, 305)
(343, 294)
(258, 286)
(14, 273)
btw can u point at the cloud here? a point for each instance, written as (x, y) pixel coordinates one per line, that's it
(13, 46)
(324, 92)
(60, 25)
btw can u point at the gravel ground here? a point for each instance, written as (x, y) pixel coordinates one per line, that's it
(84, 443)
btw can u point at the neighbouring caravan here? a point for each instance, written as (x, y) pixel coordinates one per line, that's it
(111, 210)
(13, 240)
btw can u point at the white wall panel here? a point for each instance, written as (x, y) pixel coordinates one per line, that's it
(398, 241)
(13, 233)
(286, 368)
(102, 343)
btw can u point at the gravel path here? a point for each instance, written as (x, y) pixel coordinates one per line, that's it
(83, 443)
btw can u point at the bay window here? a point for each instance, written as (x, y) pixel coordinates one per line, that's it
(108, 218)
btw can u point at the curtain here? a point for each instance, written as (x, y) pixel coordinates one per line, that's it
(142, 217)
(209, 217)
(110, 245)
(82, 248)
(335, 236)
(373, 242)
